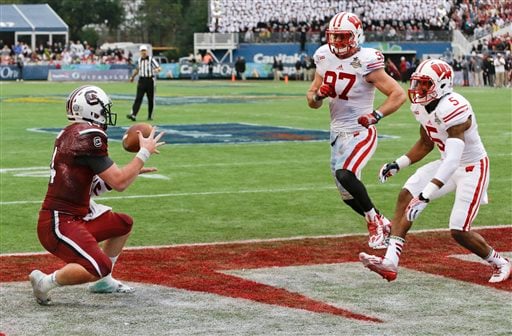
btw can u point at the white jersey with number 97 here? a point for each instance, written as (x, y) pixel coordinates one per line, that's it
(354, 95)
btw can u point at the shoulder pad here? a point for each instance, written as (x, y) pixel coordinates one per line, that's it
(371, 59)
(91, 141)
(321, 54)
(453, 109)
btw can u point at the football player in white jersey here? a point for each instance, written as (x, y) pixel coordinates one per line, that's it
(448, 122)
(347, 75)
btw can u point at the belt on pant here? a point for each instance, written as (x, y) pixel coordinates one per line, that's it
(345, 135)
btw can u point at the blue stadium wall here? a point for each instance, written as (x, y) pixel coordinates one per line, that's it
(290, 52)
(259, 59)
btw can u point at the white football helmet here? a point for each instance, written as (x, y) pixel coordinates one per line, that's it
(432, 79)
(344, 34)
(90, 104)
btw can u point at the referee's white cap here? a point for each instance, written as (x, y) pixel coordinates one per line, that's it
(143, 47)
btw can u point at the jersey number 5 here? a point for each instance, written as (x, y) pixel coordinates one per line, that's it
(331, 78)
(431, 131)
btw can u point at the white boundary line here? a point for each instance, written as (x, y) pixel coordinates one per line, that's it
(206, 193)
(255, 241)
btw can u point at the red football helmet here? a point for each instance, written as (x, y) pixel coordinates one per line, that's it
(344, 34)
(432, 79)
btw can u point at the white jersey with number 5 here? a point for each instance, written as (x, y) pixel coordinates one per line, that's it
(452, 109)
(354, 95)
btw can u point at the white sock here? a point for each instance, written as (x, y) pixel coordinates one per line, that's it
(113, 259)
(49, 282)
(495, 258)
(109, 278)
(370, 215)
(394, 250)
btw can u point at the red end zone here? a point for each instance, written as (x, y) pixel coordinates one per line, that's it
(200, 268)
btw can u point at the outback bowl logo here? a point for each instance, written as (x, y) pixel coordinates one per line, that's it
(97, 141)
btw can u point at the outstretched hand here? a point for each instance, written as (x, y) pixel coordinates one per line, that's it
(152, 142)
(145, 170)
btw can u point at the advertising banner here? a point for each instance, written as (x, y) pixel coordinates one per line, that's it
(9, 72)
(89, 76)
(184, 71)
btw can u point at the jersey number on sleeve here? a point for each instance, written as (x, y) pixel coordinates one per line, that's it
(331, 78)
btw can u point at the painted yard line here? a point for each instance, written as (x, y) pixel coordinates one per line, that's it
(475, 258)
(257, 241)
(208, 193)
(231, 164)
(7, 170)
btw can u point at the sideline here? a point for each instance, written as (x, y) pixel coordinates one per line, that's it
(256, 241)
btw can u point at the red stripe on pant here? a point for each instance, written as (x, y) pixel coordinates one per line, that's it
(477, 196)
(369, 138)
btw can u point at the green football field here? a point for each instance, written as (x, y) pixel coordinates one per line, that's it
(249, 237)
(230, 191)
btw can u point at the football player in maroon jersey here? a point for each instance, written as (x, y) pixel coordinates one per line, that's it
(80, 153)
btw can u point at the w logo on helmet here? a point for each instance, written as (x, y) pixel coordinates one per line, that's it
(442, 70)
(355, 21)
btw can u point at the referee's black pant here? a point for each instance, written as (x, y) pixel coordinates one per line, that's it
(145, 85)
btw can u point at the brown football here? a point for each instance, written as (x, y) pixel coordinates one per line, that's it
(131, 138)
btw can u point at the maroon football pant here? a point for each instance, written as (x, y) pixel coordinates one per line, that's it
(75, 240)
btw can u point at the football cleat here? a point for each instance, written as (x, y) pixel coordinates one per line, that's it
(110, 285)
(500, 273)
(42, 297)
(381, 266)
(378, 231)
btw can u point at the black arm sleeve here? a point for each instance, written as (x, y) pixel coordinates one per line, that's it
(98, 164)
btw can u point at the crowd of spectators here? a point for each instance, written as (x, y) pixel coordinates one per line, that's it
(306, 21)
(483, 70)
(480, 68)
(480, 18)
(74, 52)
(258, 19)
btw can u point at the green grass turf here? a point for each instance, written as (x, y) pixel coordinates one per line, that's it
(233, 191)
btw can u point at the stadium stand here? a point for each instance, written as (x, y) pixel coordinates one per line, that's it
(477, 29)
(263, 20)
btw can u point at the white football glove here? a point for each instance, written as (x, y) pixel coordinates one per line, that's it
(388, 170)
(415, 207)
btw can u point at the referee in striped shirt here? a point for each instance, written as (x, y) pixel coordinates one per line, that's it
(146, 67)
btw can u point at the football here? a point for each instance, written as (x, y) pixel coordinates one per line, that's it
(131, 138)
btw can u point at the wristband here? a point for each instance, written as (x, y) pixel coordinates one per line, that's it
(317, 98)
(378, 114)
(429, 190)
(403, 161)
(143, 154)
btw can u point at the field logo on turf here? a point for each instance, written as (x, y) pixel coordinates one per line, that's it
(224, 133)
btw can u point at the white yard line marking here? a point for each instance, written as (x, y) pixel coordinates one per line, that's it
(257, 241)
(475, 258)
(208, 193)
